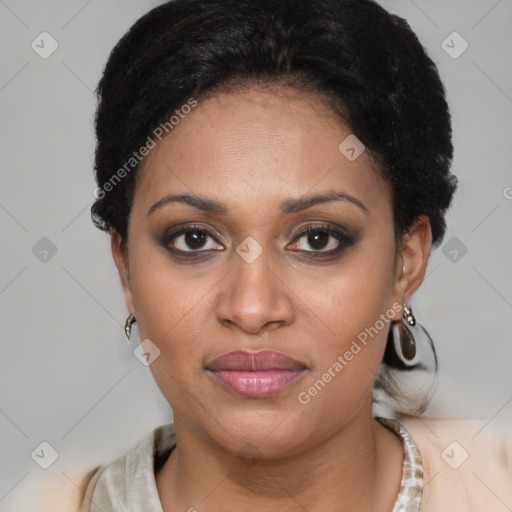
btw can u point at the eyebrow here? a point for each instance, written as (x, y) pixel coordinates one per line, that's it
(289, 206)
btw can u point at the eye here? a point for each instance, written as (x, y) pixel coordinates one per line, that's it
(191, 239)
(323, 239)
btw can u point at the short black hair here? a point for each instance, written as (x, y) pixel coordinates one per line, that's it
(366, 61)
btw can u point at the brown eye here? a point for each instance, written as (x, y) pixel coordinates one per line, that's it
(195, 239)
(191, 239)
(323, 240)
(318, 239)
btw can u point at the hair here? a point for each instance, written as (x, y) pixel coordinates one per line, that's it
(365, 61)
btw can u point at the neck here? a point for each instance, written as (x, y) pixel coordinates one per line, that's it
(357, 468)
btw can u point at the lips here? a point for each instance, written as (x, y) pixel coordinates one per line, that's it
(255, 374)
(244, 360)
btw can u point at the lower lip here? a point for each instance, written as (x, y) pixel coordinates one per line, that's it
(256, 384)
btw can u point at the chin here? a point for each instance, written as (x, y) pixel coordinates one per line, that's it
(268, 432)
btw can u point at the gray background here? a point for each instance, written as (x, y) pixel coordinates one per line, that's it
(69, 378)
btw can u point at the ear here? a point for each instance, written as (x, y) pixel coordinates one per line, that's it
(412, 258)
(121, 261)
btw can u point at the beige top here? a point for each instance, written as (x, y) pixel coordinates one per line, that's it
(448, 465)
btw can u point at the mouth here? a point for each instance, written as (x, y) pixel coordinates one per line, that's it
(255, 374)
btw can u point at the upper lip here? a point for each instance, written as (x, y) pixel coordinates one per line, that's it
(245, 360)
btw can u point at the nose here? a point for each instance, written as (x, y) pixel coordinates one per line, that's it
(255, 298)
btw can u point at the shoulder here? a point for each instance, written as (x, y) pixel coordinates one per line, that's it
(104, 485)
(466, 463)
(67, 491)
(73, 490)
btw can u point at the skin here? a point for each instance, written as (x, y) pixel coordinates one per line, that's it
(252, 150)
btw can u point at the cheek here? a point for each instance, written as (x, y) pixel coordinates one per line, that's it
(357, 293)
(162, 291)
(173, 314)
(172, 311)
(356, 307)
(160, 297)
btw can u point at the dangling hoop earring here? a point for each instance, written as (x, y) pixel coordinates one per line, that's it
(128, 326)
(403, 338)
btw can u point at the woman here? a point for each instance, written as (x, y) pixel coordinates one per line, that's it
(273, 176)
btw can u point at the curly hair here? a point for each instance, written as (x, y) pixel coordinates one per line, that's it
(365, 61)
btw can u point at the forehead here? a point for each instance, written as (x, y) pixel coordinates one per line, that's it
(255, 146)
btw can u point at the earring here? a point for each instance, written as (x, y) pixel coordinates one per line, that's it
(128, 326)
(408, 315)
(408, 375)
(403, 338)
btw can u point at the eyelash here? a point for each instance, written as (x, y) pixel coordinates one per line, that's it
(344, 239)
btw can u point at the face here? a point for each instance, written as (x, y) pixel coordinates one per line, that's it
(239, 272)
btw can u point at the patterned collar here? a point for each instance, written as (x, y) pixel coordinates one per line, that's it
(411, 485)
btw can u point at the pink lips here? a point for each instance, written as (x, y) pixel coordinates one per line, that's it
(255, 374)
